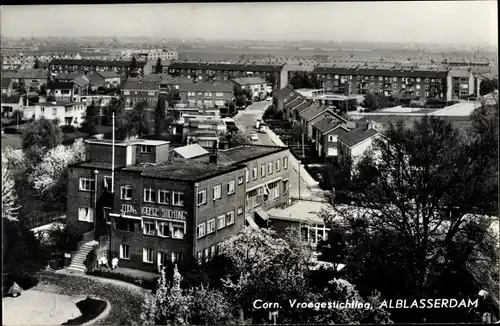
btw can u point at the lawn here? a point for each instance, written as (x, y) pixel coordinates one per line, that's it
(11, 140)
(126, 300)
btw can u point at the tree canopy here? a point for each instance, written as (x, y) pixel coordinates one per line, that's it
(487, 86)
(410, 230)
(158, 66)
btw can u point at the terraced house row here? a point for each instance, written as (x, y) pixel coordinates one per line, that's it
(160, 208)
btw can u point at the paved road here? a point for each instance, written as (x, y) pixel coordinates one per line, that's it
(245, 120)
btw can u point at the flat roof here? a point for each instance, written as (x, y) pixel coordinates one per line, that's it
(246, 153)
(301, 211)
(183, 170)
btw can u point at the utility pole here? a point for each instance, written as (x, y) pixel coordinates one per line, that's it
(112, 183)
(300, 197)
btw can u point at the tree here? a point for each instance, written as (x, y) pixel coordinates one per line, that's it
(173, 97)
(238, 138)
(42, 133)
(133, 67)
(410, 214)
(136, 122)
(9, 197)
(91, 114)
(23, 254)
(240, 100)
(487, 86)
(158, 67)
(50, 176)
(37, 65)
(371, 101)
(160, 115)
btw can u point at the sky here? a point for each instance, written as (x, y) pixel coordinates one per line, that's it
(468, 22)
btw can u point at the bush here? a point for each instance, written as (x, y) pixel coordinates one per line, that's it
(67, 129)
(91, 260)
(68, 141)
(147, 284)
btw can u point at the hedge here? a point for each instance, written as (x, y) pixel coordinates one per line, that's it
(147, 284)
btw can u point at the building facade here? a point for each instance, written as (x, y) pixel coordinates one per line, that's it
(92, 66)
(160, 209)
(256, 85)
(69, 114)
(134, 92)
(206, 94)
(225, 72)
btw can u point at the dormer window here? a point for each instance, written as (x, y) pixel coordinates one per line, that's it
(146, 149)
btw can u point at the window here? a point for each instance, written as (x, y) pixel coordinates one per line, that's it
(126, 192)
(178, 229)
(125, 224)
(212, 251)
(221, 222)
(219, 94)
(332, 138)
(206, 253)
(427, 80)
(199, 256)
(417, 93)
(86, 214)
(240, 210)
(191, 94)
(380, 85)
(380, 78)
(277, 165)
(262, 171)
(54, 111)
(149, 228)
(270, 168)
(107, 183)
(164, 197)
(164, 229)
(147, 255)
(217, 193)
(274, 189)
(426, 87)
(211, 226)
(87, 184)
(418, 80)
(240, 179)
(149, 195)
(124, 251)
(202, 197)
(177, 198)
(285, 163)
(285, 187)
(230, 187)
(254, 173)
(394, 78)
(145, 149)
(229, 218)
(433, 80)
(394, 86)
(176, 257)
(418, 86)
(151, 93)
(426, 94)
(200, 230)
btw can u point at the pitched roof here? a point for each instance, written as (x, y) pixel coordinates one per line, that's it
(66, 76)
(13, 99)
(302, 106)
(140, 85)
(82, 81)
(293, 101)
(355, 136)
(288, 96)
(249, 81)
(326, 125)
(313, 112)
(202, 87)
(191, 151)
(60, 85)
(226, 66)
(32, 73)
(96, 80)
(370, 71)
(108, 74)
(310, 106)
(282, 92)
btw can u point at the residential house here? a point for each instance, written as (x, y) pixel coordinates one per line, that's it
(354, 143)
(68, 113)
(65, 77)
(166, 82)
(168, 209)
(325, 138)
(314, 114)
(32, 79)
(256, 85)
(204, 130)
(62, 91)
(107, 79)
(285, 96)
(92, 66)
(81, 87)
(134, 92)
(207, 94)
(10, 104)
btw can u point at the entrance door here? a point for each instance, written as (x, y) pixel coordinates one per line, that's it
(162, 260)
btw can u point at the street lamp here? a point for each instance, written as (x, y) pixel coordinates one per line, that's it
(298, 161)
(96, 173)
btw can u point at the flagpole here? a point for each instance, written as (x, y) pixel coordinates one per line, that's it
(113, 158)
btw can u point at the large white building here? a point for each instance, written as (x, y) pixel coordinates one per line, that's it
(152, 54)
(68, 113)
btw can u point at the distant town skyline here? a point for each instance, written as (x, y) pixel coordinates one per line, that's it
(444, 22)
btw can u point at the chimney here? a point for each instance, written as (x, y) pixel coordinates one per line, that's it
(213, 157)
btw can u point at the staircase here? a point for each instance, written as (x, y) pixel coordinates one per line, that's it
(77, 262)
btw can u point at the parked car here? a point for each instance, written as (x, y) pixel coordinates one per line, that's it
(254, 137)
(263, 127)
(257, 123)
(269, 99)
